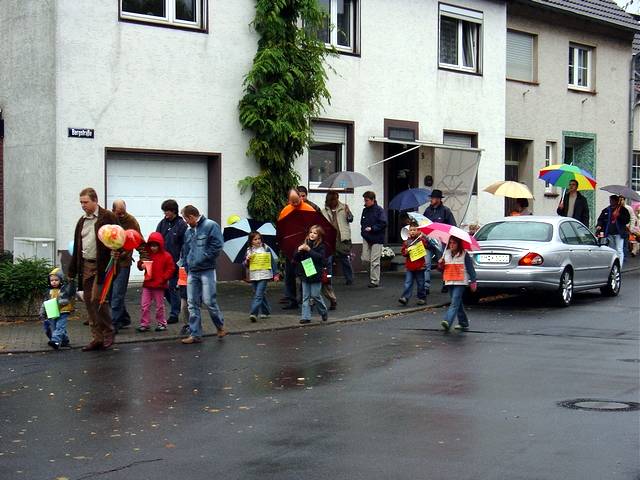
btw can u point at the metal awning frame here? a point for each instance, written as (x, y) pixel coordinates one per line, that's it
(416, 145)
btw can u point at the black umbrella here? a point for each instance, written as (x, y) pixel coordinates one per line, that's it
(623, 191)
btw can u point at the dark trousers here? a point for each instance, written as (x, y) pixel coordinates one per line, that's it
(99, 315)
(290, 281)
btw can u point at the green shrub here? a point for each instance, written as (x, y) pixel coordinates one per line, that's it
(6, 256)
(23, 281)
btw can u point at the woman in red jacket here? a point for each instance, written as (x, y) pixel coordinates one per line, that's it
(158, 272)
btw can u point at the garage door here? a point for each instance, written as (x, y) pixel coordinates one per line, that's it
(144, 181)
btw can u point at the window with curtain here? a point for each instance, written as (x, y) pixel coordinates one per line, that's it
(340, 25)
(580, 69)
(466, 140)
(460, 35)
(520, 56)
(635, 172)
(327, 151)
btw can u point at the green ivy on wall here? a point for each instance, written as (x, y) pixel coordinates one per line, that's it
(284, 89)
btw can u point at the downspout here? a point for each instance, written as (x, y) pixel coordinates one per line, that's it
(632, 107)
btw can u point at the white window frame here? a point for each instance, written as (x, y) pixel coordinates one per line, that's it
(549, 159)
(343, 149)
(635, 171)
(576, 54)
(170, 15)
(520, 54)
(462, 15)
(333, 26)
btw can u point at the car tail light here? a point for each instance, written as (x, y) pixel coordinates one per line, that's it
(531, 259)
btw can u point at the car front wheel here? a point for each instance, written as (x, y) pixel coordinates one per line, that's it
(565, 289)
(614, 282)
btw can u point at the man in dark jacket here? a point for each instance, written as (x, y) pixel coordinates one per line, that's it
(119, 314)
(203, 243)
(612, 224)
(574, 205)
(172, 228)
(437, 212)
(373, 224)
(90, 258)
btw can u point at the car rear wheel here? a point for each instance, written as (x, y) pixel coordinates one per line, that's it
(614, 282)
(564, 294)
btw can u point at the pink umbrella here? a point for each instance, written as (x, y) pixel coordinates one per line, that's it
(442, 232)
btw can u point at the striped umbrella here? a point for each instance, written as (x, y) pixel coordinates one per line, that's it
(237, 235)
(561, 174)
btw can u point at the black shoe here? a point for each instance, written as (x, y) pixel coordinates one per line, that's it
(291, 306)
(403, 300)
(172, 319)
(185, 330)
(325, 317)
(333, 305)
(65, 344)
(53, 344)
(303, 321)
(373, 285)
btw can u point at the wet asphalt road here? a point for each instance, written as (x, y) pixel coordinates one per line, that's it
(387, 399)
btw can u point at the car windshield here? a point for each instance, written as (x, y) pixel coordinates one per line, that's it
(525, 231)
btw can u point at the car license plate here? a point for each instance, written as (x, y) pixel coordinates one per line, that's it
(492, 258)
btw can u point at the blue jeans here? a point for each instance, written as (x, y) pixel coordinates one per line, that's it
(260, 301)
(309, 291)
(617, 243)
(172, 294)
(59, 328)
(345, 263)
(202, 285)
(427, 272)
(456, 309)
(410, 277)
(119, 314)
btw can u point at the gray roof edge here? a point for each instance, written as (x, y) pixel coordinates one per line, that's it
(570, 11)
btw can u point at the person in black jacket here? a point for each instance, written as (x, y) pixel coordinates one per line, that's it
(574, 204)
(612, 224)
(172, 228)
(310, 263)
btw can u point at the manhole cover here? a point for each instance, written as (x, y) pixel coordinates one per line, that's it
(598, 405)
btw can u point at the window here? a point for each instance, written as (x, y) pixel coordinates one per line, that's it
(460, 38)
(549, 159)
(520, 56)
(584, 235)
(181, 13)
(568, 234)
(340, 25)
(580, 67)
(516, 231)
(466, 140)
(635, 172)
(327, 151)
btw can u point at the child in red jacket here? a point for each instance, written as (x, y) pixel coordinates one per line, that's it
(158, 272)
(415, 250)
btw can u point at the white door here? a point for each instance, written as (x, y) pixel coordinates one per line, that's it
(144, 181)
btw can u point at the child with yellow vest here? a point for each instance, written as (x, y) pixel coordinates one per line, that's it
(457, 273)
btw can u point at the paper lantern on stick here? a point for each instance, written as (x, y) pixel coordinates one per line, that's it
(112, 236)
(132, 239)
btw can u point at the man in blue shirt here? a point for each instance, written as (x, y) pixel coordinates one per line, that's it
(203, 243)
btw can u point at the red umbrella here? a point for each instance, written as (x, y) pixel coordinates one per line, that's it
(442, 232)
(293, 226)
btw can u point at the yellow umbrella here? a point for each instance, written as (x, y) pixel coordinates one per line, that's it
(508, 188)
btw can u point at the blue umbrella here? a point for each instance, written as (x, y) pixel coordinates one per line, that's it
(411, 198)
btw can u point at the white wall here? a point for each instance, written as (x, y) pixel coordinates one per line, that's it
(542, 112)
(27, 100)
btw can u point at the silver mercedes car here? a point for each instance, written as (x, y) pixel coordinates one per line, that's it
(556, 254)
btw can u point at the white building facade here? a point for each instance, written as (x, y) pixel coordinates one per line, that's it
(154, 88)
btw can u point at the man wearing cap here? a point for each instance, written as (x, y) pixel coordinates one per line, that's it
(437, 212)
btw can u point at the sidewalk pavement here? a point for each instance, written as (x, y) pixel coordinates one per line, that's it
(355, 302)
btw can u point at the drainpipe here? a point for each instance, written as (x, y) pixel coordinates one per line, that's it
(632, 107)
